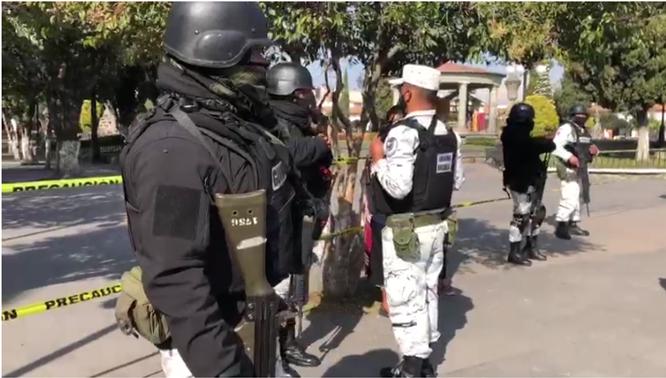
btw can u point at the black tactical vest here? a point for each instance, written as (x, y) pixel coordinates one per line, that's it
(434, 170)
(583, 143)
(271, 162)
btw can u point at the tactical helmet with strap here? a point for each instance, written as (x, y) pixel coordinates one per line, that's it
(214, 34)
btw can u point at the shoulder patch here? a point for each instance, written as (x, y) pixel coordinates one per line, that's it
(279, 175)
(391, 145)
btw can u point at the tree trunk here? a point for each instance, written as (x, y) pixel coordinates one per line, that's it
(12, 136)
(643, 151)
(343, 259)
(662, 127)
(94, 141)
(526, 79)
(65, 116)
(26, 126)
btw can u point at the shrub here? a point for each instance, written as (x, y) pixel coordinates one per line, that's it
(85, 120)
(546, 119)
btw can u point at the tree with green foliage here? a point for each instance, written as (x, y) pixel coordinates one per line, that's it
(521, 32)
(546, 120)
(383, 99)
(617, 54)
(65, 52)
(539, 82)
(568, 95)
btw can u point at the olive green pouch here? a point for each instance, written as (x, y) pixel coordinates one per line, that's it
(561, 169)
(405, 239)
(134, 312)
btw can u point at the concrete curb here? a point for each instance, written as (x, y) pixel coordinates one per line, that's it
(623, 171)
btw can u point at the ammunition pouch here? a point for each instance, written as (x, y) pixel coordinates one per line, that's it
(405, 238)
(135, 314)
(561, 169)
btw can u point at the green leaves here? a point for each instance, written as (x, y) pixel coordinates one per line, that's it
(617, 53)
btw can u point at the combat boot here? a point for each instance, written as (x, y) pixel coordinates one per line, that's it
(291, 351)
(516, 256)
(410, 366)
(532, 249)
(575, 229)
(562, 231)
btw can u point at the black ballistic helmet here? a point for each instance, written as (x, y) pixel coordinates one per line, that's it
(285, 78)
(214, 34)
(577, 109)
(521, 113)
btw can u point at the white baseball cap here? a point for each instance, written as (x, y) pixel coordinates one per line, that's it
(421, 76)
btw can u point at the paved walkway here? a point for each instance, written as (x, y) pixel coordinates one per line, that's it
(595, 308)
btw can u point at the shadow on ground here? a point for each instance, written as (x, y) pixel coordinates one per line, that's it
(336, 319)
(59, 207)
(102, 253)
(480, 242)
(363, 365)
(662, 282)
(61, 352)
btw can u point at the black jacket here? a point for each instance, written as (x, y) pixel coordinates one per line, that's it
(310, 152)
(522, 165)
(188, 275)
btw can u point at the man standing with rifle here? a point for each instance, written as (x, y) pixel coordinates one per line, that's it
(574, 150)
(290, 89)
(525, 176)
(208, 196)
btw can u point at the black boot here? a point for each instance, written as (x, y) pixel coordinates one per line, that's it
(409, 367)
(428, 371)
(532, 250)
(516, 256)
(562, 231)
(575, 229)
(291, 351)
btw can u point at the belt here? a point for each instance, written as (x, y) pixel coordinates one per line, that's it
(419, 219)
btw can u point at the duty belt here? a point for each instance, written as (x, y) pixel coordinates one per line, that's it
(421, 218)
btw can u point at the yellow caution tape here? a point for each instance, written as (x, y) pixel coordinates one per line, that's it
(351, 230)
(52, 304)
(86, 296)
(475, 203)
(64, 183)
(348, 159)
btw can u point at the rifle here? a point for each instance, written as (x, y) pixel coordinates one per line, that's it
(538, 213)
(244, 219)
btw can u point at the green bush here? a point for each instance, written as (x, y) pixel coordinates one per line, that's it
(85, 120)
(480, 141)
(546, 119)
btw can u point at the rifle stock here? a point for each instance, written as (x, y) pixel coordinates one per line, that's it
(244, 219)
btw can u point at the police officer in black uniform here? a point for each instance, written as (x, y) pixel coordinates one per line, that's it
(206, 135)
(525, 177)
(291, 98)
